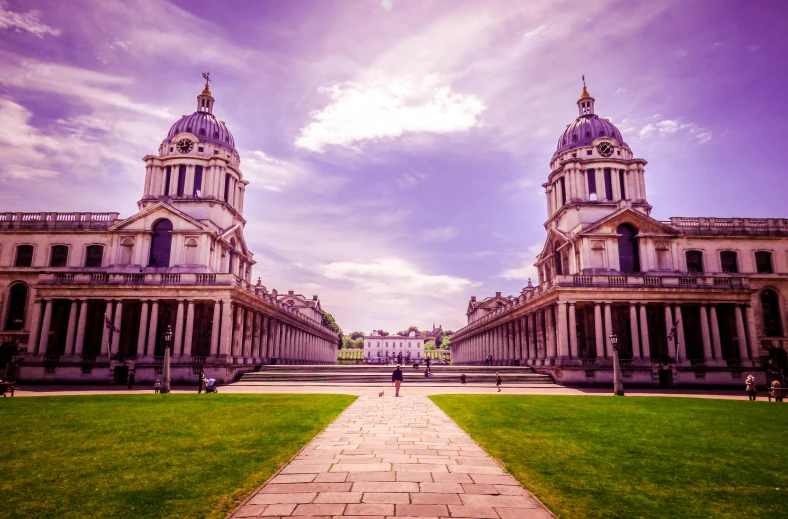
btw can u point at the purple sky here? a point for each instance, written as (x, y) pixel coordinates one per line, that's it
(395, 148)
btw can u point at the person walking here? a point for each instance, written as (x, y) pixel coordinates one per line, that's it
(201, 381)
(157, 386)
(396, 377)
(750, 382)
(498, 381)
(462, 379)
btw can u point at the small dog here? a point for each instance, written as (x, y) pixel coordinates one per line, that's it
(380, 395)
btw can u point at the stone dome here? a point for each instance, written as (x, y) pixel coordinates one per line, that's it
(206, 127)
(584, 130)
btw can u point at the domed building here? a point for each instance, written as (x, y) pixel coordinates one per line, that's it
(92, 297)
(688, 301)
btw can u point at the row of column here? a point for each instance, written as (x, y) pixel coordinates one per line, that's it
(238, 334)
(576, 187)
(544, 334)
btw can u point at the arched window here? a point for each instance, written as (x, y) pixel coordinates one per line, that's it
(694, 261)
(770, 306)
(161, 244)
(559, 270)
(17, 303)
(628, 253)
(94, 256)
(763, 262)
(24, 256)
(59, 256)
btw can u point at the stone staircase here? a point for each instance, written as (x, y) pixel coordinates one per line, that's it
(362, 375)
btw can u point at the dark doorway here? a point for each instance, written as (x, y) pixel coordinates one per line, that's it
(167, 316)
(59, 327)
(203, 324)
(16, 307)
(665, 378)
(620, 315)
(657, 333)
(120, 374)
(726, 318)
(129, 329)
(94, 327)
(586, 332)
(693, 337)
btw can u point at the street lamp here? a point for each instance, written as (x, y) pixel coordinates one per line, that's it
(618, 385)
(165, 388)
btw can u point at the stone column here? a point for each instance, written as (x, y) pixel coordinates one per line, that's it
(215, 327)
(72, 328)
(189, 335)
(704, 331)
(178, 340)
(275, 340)
(599, 332)
(238, 321)
(248, 323)
(573, 331)
(550, 332)
(541, 347)
(256, 320)
(105, 334)
(226, 335)
(83, 320)
(644, 333)
(741, 335)
(633, 331)
(43, 342)
(562, 331)
(752, 334)
(681, 344)
(509, 355)
(715, 334)
(153, 329)
(264, 354)
(117, 322)
(35, 326)
(608, 331)
(669, 326)
(143, 329)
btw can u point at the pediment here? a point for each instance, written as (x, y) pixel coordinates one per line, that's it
(144, 220)
(555, 238)
(236, 233)
(642, 222)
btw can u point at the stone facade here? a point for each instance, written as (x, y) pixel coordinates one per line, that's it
(180, 263)
(691, 300)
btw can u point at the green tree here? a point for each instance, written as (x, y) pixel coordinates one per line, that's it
(446, 344)
(383, 334)
(356, 335)
(328, 320)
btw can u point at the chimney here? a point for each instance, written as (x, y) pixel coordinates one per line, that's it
(497, 294)
(291, 292)
(473, 299)
(374, 332)
(314, 297)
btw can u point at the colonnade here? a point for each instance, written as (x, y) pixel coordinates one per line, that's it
(542, 336)
(239, 334)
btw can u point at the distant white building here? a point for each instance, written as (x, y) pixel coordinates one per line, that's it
(390, 346)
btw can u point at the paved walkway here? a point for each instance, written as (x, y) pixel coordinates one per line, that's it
(385, 457)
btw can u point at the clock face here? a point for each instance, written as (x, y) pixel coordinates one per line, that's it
(605, 149)
(185, 145)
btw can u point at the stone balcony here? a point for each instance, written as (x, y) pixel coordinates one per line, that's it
(727, 226)
(111, 278)
(50, 221)
(651, 281)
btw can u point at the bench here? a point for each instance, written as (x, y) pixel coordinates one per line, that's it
(777, 393)
(7, 387)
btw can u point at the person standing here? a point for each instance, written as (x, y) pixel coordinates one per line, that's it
(750, 382)
(396, 377)
(157, 386)
(498, 381)
(201, 381)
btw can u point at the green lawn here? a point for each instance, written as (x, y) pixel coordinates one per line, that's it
(636, 457)
(147, 456)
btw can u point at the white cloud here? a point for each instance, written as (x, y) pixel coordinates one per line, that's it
(539, 31)
(387, 5)
(753, 48)
(526, 269)
(409, 179)
(388, 107)
(444, 233)
(394, 277)
(29, 22)
(667, 127)
(682, 53)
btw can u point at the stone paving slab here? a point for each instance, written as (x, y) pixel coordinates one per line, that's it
(393, 458)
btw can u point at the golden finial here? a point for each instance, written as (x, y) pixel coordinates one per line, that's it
(585, 91)
(207, 76)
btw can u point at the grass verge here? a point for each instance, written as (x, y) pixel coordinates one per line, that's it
(636, 457)
(136, 456)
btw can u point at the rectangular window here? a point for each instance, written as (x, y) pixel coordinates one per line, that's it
(694, 261)
(608, 184)
(197, 181)
(622, 183)
(728, 261)
(181, 179)
(167, 174)
(763, 262)
(563, 191)
(59, 256)
(591, 174)
(24, 256)
(227, 188)
(94, 256)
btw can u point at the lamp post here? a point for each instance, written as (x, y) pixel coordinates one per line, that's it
(165, 388)
(618, 385)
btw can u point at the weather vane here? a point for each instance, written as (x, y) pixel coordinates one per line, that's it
(207, 76)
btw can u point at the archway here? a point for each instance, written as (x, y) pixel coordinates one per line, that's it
(770, 307)
(17, 305)
(161, 244)
(628, 253)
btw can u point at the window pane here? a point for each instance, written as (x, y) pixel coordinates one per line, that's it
(24, 256)
(59, 256)
(694, 261)
(591, 181)
(197, 180)
(628, 252)
(622, 184)
(763, 262)
(161, 244)
(608, 185)
(728, 261)
(167, 175)
(181, 179)
(16, 307)
(95, 254)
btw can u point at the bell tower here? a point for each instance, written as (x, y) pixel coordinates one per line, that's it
(205, 99)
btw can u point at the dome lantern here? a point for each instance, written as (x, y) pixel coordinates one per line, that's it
(205, 99)
(585, 104)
